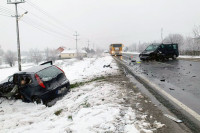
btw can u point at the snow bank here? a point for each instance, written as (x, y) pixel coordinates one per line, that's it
(92, 108)
(130, 52)
(75, 70)
(187, 56)
(88, 68)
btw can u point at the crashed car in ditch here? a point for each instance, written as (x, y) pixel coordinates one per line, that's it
(162, 51)
(39, 84)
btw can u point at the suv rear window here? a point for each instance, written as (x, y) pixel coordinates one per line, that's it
(49, 73)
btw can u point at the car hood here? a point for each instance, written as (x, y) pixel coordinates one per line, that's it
(147, 52)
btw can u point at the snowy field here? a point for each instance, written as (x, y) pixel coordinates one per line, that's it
(93, 107)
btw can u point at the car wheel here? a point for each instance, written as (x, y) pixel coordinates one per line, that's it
(37, 100)
(174, 57)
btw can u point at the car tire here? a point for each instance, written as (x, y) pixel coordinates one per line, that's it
(37, 100)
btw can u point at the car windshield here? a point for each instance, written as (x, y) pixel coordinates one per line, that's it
(151, 47)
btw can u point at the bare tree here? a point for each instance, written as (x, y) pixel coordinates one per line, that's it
(1, 51)
(1, 54)
(10, 58)
(35, 55)
(51, 54)
(176, 38)
(196, 31)
(143, 46)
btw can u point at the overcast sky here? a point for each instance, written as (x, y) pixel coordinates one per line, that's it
(52, 23)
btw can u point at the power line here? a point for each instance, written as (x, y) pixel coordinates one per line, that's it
(43, 30)
(48, 15)
(6, 10)
(45, 21)
(46, 27)
(5, 15)
(37, 27)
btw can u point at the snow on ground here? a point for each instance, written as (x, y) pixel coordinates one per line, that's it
(8, 71)
(187, 56)
(130, 52)
(75, 70)
(88, 68)
(94, 107)
(91, 108)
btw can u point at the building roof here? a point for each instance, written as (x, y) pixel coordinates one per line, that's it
(60, 49)
(73, 51)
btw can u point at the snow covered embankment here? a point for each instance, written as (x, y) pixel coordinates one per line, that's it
(94, 107)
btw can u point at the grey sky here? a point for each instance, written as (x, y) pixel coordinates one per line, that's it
(101, 21)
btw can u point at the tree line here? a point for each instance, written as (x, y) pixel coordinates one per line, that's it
(33, 55)
(187, 45)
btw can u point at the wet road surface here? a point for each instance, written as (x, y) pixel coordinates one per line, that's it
(180, 78)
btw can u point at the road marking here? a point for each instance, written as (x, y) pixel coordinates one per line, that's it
(183, 106)
(180, 104)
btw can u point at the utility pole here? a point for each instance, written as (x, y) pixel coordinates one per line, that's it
(76, 35)
(17, 29)
(162, 34)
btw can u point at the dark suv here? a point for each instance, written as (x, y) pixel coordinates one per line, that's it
(40, 84)
(160, 52)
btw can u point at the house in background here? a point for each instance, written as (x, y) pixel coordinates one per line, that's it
(60, 49)
(68, 54)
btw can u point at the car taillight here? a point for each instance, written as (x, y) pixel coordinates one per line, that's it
(60, 69)
(39, 81)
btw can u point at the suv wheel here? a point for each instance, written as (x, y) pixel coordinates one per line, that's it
(174, 57)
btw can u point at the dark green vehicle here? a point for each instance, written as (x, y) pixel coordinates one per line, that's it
(160, 52)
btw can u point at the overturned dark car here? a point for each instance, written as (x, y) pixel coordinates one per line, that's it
(39, 84)
(160, 52)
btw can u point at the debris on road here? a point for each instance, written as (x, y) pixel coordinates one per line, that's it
(162, 80)
(107, 66)
(171, 89)
(173, 118)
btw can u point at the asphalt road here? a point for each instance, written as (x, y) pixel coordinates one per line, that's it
(179, 78)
